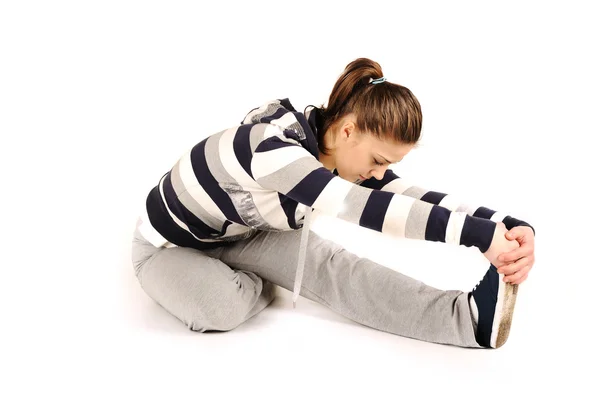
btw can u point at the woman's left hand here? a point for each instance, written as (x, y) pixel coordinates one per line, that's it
(517, 263)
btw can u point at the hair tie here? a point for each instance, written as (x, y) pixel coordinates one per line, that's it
(376, 81)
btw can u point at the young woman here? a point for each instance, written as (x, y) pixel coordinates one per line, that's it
(231, 220)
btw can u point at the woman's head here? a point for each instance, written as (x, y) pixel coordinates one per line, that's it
(366, 127)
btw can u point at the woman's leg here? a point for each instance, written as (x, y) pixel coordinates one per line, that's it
(358, 288)
(202, 292)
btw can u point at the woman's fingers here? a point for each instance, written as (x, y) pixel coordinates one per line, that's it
(519, 281)
(524, 274)
(517, 277)
(511, 268)
(515, 254)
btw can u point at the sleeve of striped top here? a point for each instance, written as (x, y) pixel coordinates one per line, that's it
(393, 183)
(282, 164)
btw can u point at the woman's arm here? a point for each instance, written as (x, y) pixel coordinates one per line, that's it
(393, 183)
(280, 164)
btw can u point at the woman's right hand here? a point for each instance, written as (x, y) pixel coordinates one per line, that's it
(500, 245)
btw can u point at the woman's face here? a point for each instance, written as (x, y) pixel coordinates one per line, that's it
(360, 156)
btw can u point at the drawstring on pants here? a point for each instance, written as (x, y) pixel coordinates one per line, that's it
(302, 255)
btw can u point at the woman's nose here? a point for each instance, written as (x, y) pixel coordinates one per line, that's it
(378, 173)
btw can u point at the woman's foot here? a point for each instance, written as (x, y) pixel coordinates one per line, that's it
(492, 303)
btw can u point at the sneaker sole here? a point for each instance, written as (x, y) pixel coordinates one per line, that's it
(507, 297)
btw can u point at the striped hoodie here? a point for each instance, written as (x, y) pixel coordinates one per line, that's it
(264, 174)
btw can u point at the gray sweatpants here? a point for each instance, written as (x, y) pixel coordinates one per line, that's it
(219, 289)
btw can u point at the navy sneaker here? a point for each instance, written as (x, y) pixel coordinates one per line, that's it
(492, 303)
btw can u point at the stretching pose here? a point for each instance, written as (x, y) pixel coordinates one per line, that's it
(231, 220)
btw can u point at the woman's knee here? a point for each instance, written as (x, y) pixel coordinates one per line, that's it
(232, 307)
(215, 317)
(222, 310)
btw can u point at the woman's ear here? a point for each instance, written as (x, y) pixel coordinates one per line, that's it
(349, 129)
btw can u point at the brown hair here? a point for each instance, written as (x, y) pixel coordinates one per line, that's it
(385, 109)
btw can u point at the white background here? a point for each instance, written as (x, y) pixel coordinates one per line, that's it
(99, 99)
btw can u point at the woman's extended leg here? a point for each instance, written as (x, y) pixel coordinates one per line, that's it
(358, 288)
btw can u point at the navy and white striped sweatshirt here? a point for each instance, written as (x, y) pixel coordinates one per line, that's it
(254, 176)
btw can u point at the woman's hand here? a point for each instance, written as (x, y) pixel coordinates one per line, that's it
(516, 264)
(500, 245)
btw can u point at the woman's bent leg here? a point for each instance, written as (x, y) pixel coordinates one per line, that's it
(203, 292)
